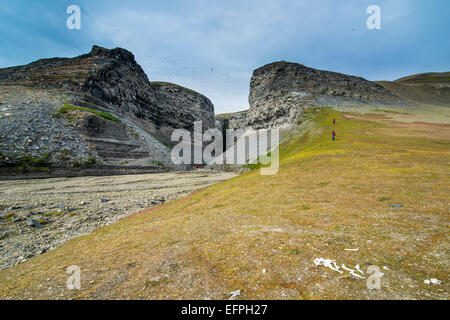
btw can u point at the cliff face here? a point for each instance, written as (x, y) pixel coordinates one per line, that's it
(238, 120)
(112, 79)
(280, 91)
(98, 107)
(182, 106)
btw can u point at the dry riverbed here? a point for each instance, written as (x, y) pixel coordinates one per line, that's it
(42, 214)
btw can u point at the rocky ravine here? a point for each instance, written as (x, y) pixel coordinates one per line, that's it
(96, 112)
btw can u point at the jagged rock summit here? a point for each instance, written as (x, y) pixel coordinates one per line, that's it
(99, 107)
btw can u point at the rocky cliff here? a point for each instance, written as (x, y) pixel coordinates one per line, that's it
(183, 106)
(280, 91)
(97, 109)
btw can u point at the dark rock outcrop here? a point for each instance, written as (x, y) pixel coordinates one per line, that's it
(113, 80)
(238, 120)
(114, 114)
(280, 91)
(182, 106)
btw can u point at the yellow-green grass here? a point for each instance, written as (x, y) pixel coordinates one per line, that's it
(67, 107)
(324, 199)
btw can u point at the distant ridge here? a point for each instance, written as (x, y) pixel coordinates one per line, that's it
(429, 77)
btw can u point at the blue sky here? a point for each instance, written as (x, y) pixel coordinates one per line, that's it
(214, 46)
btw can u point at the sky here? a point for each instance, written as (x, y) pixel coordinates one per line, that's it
(213, 46)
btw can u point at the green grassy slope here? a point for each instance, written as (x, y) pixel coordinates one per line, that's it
(261, 234)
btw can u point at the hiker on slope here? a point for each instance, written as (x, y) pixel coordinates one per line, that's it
(333, 135)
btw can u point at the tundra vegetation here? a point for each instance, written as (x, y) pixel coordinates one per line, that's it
(260, 234)
(67, 107)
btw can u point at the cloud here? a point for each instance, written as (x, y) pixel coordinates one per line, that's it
(214, 46)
